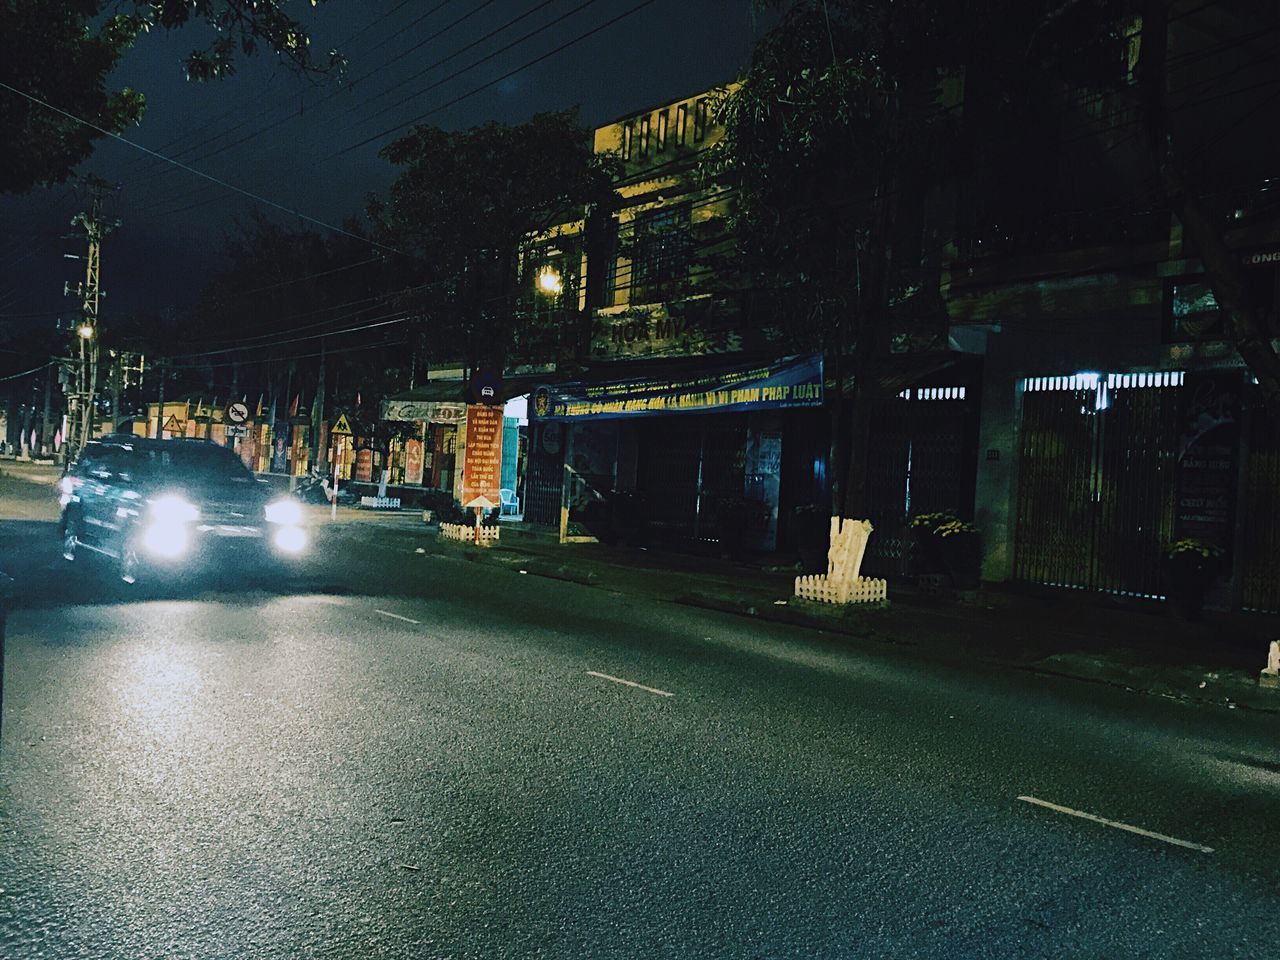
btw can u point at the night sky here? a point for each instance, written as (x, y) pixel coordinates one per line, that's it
(174, 224)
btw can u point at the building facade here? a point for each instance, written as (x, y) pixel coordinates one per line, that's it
(680, 423)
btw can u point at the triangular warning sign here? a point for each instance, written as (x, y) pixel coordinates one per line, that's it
(172, 425)
(342, 428)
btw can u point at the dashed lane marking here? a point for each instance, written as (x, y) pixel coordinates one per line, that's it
(1117, 825)
(630, 683)
(396, 616)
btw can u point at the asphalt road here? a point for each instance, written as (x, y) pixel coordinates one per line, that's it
(397, 754)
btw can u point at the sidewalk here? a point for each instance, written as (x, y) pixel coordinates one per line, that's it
(28, 491)
(1084, 636)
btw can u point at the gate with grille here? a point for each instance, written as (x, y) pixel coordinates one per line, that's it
(687, 464)
(1097, 481)
(921, 460)
(1260, 544)
(545, 473)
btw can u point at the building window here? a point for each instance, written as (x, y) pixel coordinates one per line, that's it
(628, 134)
(609, 295)
(661, 250)
(662, 131)
(700, 119)
(644, 135)
(682, 124)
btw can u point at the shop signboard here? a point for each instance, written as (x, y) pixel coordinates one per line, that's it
(696, 326)
(482, 454)
(413, 461)
(431, 411)
(789, 382)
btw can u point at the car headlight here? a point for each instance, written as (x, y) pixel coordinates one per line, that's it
(284, 511)
(290, 539)
(173, 509)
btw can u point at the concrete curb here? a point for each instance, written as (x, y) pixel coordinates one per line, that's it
(873, 624)
(1186, 684)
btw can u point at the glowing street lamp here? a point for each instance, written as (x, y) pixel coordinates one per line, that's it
(550, 283)
(85, 330)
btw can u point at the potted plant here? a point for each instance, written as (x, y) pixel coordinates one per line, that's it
(811, 526)
(948, 545)
(1192, 566)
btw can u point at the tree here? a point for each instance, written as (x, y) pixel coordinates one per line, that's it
(828, 139)
(288, 304)
(1152, 140)
(854, 112)
(1249, 321)
(459, 211)
(62, 52)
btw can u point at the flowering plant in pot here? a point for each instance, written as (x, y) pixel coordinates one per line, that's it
(1192, 566)
(947, 544)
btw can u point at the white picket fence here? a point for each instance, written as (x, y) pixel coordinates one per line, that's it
(466, 533)
(841, 583)
(380, 503)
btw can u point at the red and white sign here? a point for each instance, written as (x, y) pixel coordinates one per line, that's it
(482, 458)
(413, 461)
(364, 465)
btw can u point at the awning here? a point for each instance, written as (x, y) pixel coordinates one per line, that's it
(789, 382)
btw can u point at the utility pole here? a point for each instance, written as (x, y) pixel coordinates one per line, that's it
(46, 426)
(321, 455)
(117, 360)
(90, 293)
(163, 367)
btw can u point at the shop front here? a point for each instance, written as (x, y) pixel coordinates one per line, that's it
(425, 452)
(692, 454)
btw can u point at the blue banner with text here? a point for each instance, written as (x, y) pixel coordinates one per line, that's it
(789, 382)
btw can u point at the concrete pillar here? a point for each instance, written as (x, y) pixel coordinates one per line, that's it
(995, 495)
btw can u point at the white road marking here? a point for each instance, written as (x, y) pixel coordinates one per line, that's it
(630, 683)
(1117, 824)
(396, 616)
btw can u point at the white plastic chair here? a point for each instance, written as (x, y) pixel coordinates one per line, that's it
(510, 502)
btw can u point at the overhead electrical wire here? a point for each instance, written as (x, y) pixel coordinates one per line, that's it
(471, 66)
(563, 46)
(276, 125)
(237, 108)
(27, 373)
(495, 81)
(457, 73)
(192, 170)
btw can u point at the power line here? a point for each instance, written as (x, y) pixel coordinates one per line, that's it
(471, 66)
(239, 108)
(443, 30)
(27, 373)
(495, 81)
(493, 33)
(192, 170)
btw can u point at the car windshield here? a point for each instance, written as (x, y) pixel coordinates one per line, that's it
(196, 462)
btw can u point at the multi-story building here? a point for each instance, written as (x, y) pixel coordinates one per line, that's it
(677, 415)
(1116, 415)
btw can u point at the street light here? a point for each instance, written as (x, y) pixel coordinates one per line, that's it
(85, 330)
(550, 282)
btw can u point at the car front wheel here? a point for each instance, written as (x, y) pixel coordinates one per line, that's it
(129, 563)
(70, 539)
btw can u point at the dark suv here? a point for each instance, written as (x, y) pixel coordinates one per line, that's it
(165, 504)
